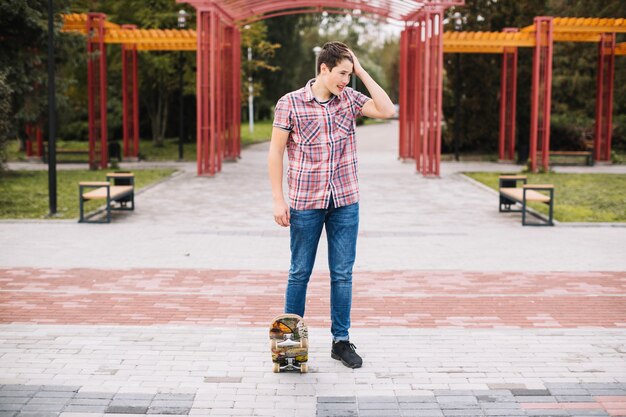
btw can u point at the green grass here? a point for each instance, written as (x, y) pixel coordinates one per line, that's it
(169, 150)
(577, 197)
(24, 194)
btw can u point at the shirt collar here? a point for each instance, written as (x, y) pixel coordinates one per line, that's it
(308, 92)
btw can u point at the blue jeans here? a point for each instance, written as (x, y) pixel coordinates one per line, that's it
(342, 226)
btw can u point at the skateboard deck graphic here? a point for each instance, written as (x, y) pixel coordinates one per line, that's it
(289, 343)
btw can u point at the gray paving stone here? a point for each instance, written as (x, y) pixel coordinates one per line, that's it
(15, 393)
(530, 392)
(171, 403)
(502, 406)
(456, 393)
(131, 396)
(336, 406)
(37, 414)
(85, 409)
(46, 400)
(10, 407)
(18, 387)
(564, 385)
(568, 391)
(14, 400)
(174, 397)
(607, 392)
(336, 400)
(419, 406)
(574, 398)
(130, 403)
(464, 413)
(579, 412)
(379, 413)
(599, 385)
(47, 408)
(504, 412)
(462, 399)
(378, 406)
(540, 399)
(169, 410)
(422, 413)
(222, 380)
(377, 399)
(495, 399)
(121, 409)
(8, 413)
(342, 413)
(545, 412)
(493, 392)
(54, 394)
(416, 399)
(459, 406)
(89, 401)
(95, 395)
(60, 388)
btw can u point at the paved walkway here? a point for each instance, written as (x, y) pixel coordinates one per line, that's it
(458, 309)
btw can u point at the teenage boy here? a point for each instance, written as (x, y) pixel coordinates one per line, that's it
(316, 124)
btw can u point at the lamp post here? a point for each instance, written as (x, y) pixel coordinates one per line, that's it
(316, 51)
(182, 23)
(458, 25)
(52, 122)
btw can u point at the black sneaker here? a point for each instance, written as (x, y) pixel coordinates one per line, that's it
(344, 351)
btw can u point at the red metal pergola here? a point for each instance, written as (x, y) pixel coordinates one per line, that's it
(218, 61)
(422, 44)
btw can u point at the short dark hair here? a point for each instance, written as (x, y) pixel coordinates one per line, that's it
(332, 54)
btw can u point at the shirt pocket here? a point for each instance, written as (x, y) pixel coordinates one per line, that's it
(310, 130)
(344, 123)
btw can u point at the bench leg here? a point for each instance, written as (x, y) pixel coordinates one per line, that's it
(108, 206)
(80, 205)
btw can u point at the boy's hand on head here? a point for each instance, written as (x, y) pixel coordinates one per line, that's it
(358, 69)
(281, 213)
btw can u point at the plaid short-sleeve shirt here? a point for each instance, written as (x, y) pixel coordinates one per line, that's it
(321, 147)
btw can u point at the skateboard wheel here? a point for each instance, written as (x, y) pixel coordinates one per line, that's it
(304, 368)
(276, 368)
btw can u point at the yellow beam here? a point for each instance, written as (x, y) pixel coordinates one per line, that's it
(488, 39)
(620, 48)
(473, 49)
(584, 25)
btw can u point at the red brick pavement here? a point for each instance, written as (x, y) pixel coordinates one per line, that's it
(392, 298)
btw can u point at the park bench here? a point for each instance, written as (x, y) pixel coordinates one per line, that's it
(587, 155)
(510, 194)
(121, 191)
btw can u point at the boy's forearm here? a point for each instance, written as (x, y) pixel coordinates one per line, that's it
(381, 100)
(275, 165)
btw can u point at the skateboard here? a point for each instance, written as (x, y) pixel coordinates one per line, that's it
(289, 343)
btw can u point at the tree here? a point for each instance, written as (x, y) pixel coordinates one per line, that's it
(254, 39)
(5, 122)
(24, 27)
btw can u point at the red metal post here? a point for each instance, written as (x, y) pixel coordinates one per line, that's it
(237, 92)
(202, 93)
(403, 139)
(508, 98)
(213, 94)
(438, 88)
(541, 93)
(34, 136)
(604, 97)
(130, 110)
